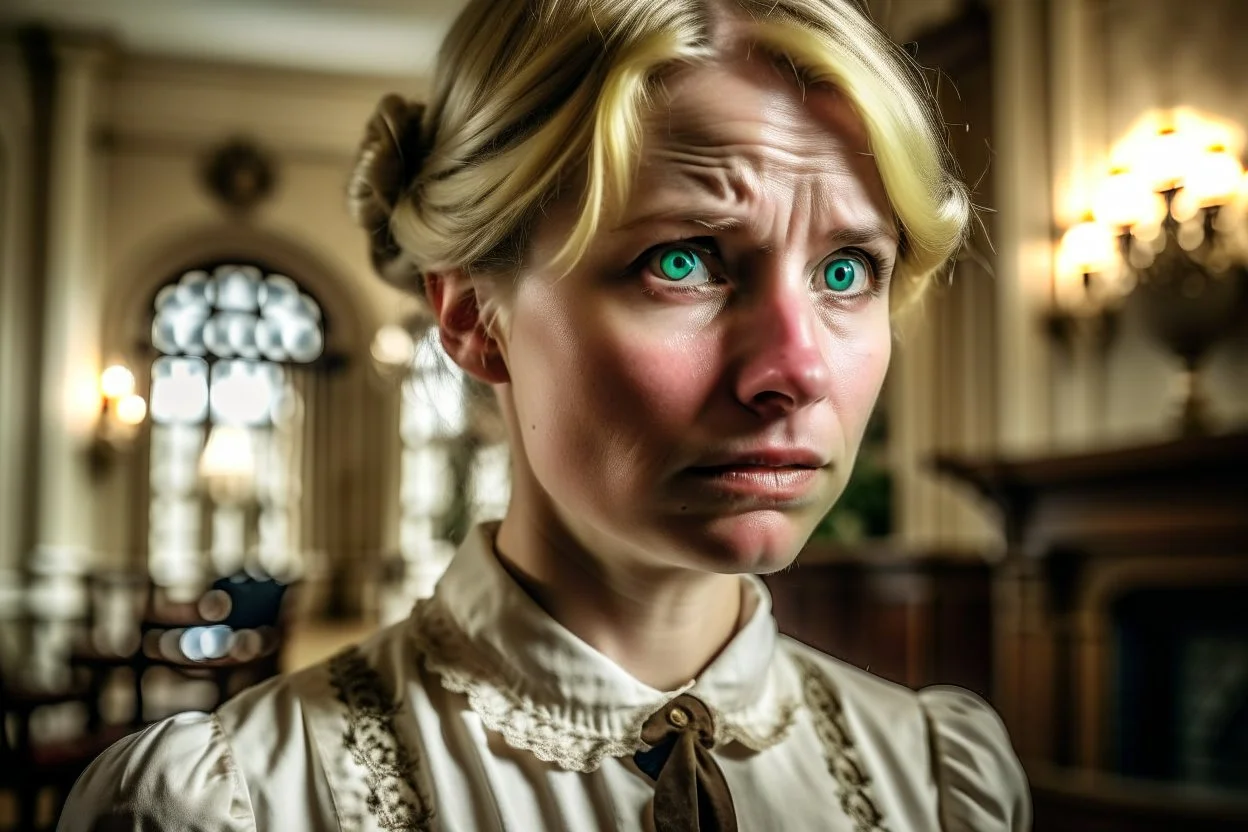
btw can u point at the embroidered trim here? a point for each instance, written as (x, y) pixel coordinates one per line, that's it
(395, 798)
(842, 758)
(547, 734)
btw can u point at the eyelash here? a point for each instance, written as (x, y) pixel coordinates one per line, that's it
(705, 247)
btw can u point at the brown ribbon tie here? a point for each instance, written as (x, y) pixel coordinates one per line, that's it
(690, 793)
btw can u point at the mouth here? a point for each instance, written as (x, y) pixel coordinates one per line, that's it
(761, 479)
(767, 458)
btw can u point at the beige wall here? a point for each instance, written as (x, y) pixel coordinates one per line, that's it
(164, 117)
(17, 306)
(905, 19)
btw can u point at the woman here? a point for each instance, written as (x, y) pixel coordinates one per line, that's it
(668, 236)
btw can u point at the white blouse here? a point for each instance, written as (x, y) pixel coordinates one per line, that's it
(480, 712)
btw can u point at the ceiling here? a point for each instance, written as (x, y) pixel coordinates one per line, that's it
(368, 37)
(371, 37)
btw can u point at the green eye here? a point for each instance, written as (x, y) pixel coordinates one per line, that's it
(678, 263)
(845, 274)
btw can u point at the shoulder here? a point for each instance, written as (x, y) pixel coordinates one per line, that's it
(259, 758)
(176, 774)
(873, 700)
(981, 781)
(944, 734)
(277, 711)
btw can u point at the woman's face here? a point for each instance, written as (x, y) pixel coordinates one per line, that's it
(694, 393)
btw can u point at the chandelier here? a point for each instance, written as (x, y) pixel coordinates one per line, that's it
(1167, 230)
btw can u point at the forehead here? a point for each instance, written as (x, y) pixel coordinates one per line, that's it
(744, 130)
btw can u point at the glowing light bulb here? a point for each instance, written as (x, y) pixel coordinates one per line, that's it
(1214, 178)
(1168, 158)
(116, 382)
(1086, 249)
(1124, 199)
(131, 410)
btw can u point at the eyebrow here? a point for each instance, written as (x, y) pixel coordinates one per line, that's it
(711, 222)
(850, 235)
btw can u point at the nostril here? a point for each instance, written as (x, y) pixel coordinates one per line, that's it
(772, 403)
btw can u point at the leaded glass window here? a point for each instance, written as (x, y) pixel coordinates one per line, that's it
(223, 400)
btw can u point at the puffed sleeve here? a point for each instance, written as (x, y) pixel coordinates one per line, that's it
(179, 774)
(981, 782)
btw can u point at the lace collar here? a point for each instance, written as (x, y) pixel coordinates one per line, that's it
(546, 691)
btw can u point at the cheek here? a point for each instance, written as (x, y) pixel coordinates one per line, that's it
(595, 392)
(666, 379)
(859, 367)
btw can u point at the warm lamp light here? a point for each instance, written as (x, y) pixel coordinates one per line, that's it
(121, 412)
(116, 382)
(1086, 248)
(1215, 177)
(131, 410)
(1167, 159)
(1124, 199)
(228, 464)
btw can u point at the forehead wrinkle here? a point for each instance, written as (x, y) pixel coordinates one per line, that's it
(730, 184)
(753, 206)
(704, 157)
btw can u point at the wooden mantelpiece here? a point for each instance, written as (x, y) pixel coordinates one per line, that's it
(1144, 496)
(1085, 534)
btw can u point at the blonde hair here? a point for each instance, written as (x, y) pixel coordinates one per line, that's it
(532, 94)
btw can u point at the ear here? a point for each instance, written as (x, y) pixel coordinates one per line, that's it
(465, 336)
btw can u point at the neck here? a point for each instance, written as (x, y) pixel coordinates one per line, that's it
(661, 624)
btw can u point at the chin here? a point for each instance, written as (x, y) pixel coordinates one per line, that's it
(757, 542)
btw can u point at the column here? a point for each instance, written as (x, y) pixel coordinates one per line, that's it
(1078, 152)
(17, 305)
(69, 399)
(912, 396)
(1024, 226)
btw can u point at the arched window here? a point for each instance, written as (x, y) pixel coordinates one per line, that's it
(226, 421)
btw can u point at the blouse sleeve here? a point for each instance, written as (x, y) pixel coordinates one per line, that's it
(981, 782)
(177, 774)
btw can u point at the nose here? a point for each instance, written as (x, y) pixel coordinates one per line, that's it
(783, 359)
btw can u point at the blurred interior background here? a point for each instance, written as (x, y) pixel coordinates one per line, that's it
(227, 449)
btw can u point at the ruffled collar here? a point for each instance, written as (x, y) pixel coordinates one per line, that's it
(546, 691)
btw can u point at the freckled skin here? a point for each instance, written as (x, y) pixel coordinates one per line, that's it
(626, 384)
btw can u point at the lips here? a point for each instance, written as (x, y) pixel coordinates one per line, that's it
(765, 458)
(770, 475)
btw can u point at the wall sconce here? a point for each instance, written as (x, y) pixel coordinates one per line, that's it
(1087, 287)
(122, 411)
(1167, 232)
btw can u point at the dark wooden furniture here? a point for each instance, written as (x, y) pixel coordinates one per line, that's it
(29, 766)
(1120, 626)
(916, 619)
(241, 621)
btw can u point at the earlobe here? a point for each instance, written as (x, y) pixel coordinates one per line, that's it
(465, 336)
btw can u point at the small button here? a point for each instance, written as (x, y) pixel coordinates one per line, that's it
(678, 716)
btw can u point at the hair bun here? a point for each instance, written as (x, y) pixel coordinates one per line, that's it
(389, 159)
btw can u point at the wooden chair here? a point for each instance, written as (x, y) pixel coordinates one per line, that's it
(251, 613)
(28, 766)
